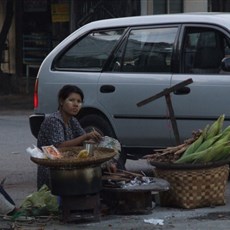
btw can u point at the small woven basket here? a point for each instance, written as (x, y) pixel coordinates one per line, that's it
(194, 188)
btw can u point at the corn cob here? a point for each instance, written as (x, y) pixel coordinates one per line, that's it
(226, 131)
(209, 156)
(193, 147)
(216, 127)
(212, 145)
(209, 142)
(224, 138)
(225, 154)
(205, 131)
(188, 158)
(194, 157)
(204, 156)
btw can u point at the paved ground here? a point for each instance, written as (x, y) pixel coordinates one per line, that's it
(16, 103)
(167, 218)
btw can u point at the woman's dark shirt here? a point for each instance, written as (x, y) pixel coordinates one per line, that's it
(53, 130)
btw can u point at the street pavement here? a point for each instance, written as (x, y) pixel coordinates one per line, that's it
(21, 174)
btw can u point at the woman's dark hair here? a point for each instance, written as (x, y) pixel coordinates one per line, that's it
(66, 90)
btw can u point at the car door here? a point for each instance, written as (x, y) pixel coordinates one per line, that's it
(201, 51)
(78, 61)
(139, 69)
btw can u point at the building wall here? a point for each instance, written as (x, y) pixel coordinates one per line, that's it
(189, 6)
(9, 54)
(146, 7)
(195, 5)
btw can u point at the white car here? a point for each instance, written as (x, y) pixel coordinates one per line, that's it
(121, 62)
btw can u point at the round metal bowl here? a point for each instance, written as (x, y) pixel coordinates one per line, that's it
(78, 181)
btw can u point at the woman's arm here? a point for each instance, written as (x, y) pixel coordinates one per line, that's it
(52, 132)
(94, 135)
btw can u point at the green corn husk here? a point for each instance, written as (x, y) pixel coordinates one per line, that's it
(187, 159)
(224, 155)
(226, 131)
(205, 131)
(214, 151)
(196, 144)
(204, 156)
(191, 158)
(209, 142)
(193, 147)
(216, 127)
(224, 138)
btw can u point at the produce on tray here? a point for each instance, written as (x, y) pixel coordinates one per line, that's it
(83, 154)
(211, 144)
(53, 153)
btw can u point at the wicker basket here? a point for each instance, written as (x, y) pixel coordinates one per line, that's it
(101, 155)
(194, 188)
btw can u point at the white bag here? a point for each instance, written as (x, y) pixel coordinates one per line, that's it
(112, 143)
(5, 206)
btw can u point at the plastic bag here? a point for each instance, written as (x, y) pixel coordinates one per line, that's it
(112, 143)
(35, 152)
(7, 205)
(109, 142)
(40, 203)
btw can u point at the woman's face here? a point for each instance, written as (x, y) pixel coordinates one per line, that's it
(72, 104)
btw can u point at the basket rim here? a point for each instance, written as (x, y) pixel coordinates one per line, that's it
(167, 165)
(102, 155)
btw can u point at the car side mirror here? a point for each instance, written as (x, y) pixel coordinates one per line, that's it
(225, 64)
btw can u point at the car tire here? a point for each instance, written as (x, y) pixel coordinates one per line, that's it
(97, 122)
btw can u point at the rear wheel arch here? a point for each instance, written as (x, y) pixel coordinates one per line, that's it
(90, 118)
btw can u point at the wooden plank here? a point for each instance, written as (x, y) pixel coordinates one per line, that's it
(172, 118)
(165, 91)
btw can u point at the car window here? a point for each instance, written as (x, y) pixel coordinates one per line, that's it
(91, 51)
(203, 50)
(146, 50)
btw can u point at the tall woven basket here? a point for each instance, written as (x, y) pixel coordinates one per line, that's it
(194, 188)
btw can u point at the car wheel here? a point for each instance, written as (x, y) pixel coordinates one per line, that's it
(90, 122)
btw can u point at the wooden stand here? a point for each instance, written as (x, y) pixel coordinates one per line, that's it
(81, 207)
(166, 92)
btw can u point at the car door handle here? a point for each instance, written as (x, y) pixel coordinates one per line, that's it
(182, 91)
(107, 89)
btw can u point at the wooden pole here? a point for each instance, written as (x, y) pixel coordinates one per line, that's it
(172, 118)
(166, 92)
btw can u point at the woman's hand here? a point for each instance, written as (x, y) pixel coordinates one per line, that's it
(94, 135)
